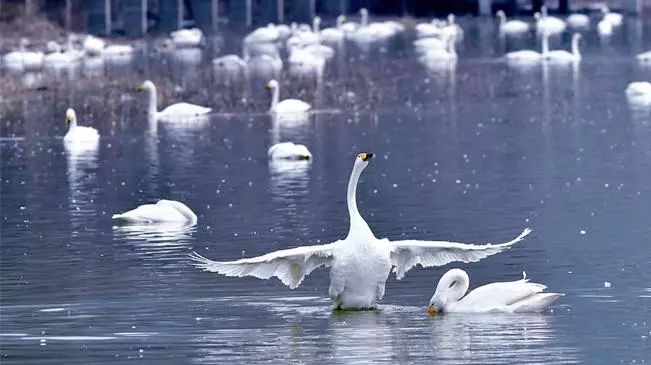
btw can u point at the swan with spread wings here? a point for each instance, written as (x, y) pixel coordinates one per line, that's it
(359, 264)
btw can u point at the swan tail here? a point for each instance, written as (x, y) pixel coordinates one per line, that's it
(535, 303)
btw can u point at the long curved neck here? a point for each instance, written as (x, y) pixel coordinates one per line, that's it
(357, 223)
(364, 18)
(545, 43)
(453, 285)
(274, 98)
(153, 102)
(451, 46)
(502, 19)
(340, 21)
(575, 47)
(315, 25)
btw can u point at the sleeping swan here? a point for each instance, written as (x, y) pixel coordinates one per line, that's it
(360, 263)
(510, 297)
(163, 211)
(173, 112)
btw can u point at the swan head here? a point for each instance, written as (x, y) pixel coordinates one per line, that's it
(147, 85)
(273, 84)
(71, 117)
(363, 12)
(362, 160)
(341, 19)
(537, 15)
(450, 18)
(452, 286)
(576, 37)
(500, 14)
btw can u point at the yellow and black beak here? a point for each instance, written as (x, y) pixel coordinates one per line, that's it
(69, 118)
(366, 156)
(432, 310)
(269, 86)
(140, 88)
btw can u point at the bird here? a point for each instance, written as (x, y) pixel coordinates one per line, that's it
(613, 18)
(604, 27)
(289, 151)
(360, 263)
(22, 59)
(335, 34)
(563, 56)
(174, 112)
(644, 57)
(187, 37)
(161, 212)
(511, 297)
(578, 20)
(286, 106)
(438, 55)
(548, 24)
(639, 92)
(93, 46)
(512, 26)
(78, 134)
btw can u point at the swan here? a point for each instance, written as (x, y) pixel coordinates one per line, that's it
(289, 151)
(93, 45)
(563, 55)
(437, 55)
(548, 24)
(162, 211)
(368, 33)
(174, 111)
(336, 34)
(528, 56)
(360, 263)
(423, 45)
(518, 296)
(287, 105)
(644, 57)
(77, 134)
(264, 66)
(23, 59)
(605, 28)
(511, 26)
(613, 18)
(639, 92)
(430, 29)
(58, 58)
(577, 20)
(268, 34)
(452, 28)
(118, 50)
(302, 62)
(187, 37)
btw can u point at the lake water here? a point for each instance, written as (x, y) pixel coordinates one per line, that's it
(473, 153)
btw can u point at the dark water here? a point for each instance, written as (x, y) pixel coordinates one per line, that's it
(473, 153)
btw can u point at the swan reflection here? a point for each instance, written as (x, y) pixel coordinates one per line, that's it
(158, 242)
(82, 180)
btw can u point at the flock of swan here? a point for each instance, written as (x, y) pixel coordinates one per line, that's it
(360, 263)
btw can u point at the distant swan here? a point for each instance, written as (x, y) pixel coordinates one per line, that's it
(644, 57)
(511, 26)
(360, 264)
(289, 151)
(512, 296)
(23, 59)
(563, 55)
(336, 34)
(578, 20)
(78, 134)
(174, 111)
(548, 24)
(187, 37)
(528, 56)
(434, 55)
(613, 18)
(163, 211)
(605, 28)
(287, 105)
(639, 92)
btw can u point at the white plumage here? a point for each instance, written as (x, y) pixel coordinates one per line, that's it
(359, 264)
(174, 112)
(187, 37)
(513, 27)
(162, 211)
(287, 106)
(76, 134)
(289, 151)
(511, 297)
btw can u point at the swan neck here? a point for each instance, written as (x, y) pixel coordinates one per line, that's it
(358, 226)
(153, 102)
(449, 293)
(575, 47)
(502, 19)
(274, 98)
(364, 18)
(545, 43)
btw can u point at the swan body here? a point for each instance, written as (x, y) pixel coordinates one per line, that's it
(423, 45)
(116, 50)
(267, 34)
(289, 151)
(639, 92)
(265, 65)
(359, 264)
(548, 24)
(605, 28)
(77, 134)
(613, 18)
(23, 59)
(644, 57)
(162, 211)
(93, 45)
(174, 112)
(437, 55)
(302, 62)
(57, 58)
(286, 106)
(527, 57)
(336, 34)
(511, 26)
(229, 63)
(562, 56)
(577, 20)
(518, 296)
(431, 29)
(187, 37)
(320, 50)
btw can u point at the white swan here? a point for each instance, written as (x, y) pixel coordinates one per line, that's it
(512, 26)
(563, 56)
(335, 34)
(605, 28)
(77, 134)
(437, 55)
(163, 211)
(287, 105)
(118, 50)
(423, 45)
(512, 296)
(639, 92)
(23, 59)
(644, 57)
(173, 112)
(268, 34)
(430, 29)
(93, 46)
(57, 58)
(548, 24)
(613, 18)
(578, 20)
(359, 264)
(305, 63)
(187, 37)
(452, 28)
(289, 151)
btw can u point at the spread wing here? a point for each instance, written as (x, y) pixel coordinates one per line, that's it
(290, 266)
(409, 253)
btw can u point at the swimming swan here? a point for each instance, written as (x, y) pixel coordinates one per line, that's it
(336, 34)
(563, 56)
(77, 134)
(613, 18)
(511, 297)
(163, 211)
(287, 105)
(289, 151)
(187, 37)
(511, 26)
(548, 24)
(359, 264)
(578, 20)
(23, 59)
(174, 111)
